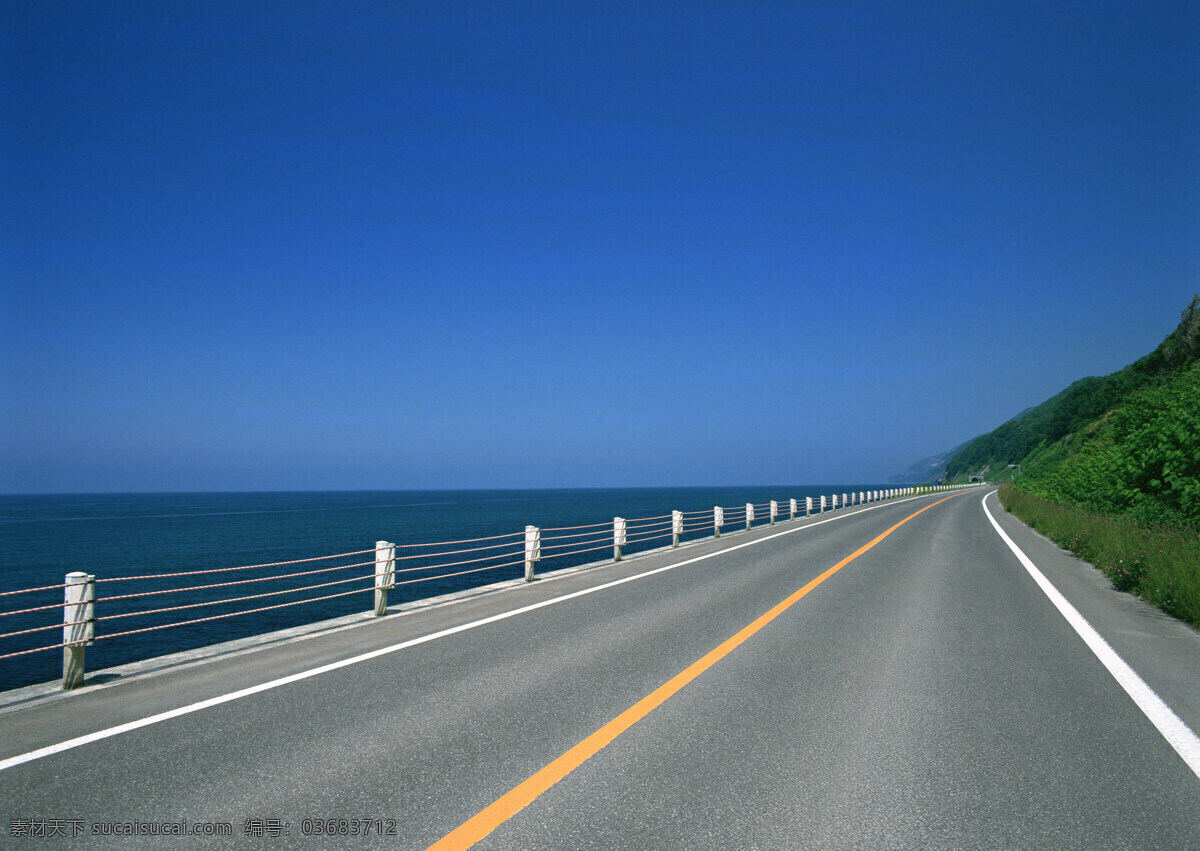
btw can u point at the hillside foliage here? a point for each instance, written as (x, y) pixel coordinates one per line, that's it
(1140, 459)
(1150, 403)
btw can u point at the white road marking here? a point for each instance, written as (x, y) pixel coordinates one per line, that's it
(49, 750)
(1177, 733)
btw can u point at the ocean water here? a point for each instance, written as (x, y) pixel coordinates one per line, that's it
(44, 537)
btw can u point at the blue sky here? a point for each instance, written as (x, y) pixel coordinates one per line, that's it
(451, 245)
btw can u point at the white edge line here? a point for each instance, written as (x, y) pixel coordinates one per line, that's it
(1177, 733)
(69, 744)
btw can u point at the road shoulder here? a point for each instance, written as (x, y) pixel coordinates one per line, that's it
(1164, 651)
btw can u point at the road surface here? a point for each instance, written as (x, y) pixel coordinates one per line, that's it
(888, 675)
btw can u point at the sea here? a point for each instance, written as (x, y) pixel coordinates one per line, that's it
(44, 537)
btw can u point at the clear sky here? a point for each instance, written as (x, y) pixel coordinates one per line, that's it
(299, 245)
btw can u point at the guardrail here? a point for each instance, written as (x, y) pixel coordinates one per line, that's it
(377, 570)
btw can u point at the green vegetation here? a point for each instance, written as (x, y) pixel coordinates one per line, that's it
(1141, 459)
(1159, 563)
(1038, 429)
(1111, 471)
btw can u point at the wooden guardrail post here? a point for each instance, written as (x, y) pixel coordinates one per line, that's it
(533, 549)
(618, 537)
(385, 575)
(79, 614)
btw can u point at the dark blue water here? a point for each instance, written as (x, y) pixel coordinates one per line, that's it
(119, 535)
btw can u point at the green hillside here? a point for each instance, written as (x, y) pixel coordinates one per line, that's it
(1111, 471)
(1042, 436)
(1141, 459)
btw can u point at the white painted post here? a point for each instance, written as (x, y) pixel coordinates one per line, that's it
(385, 574)
(718, 520)
(676, 527)
(749, 515)
(792, 506)
(533, 549)
(822, 503)
(79, 614)
(808, 505)
(618, 537)
(774, 511)
(833, 502)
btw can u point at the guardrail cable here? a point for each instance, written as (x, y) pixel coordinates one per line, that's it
(228, 600)
(606, 537)
(229, 569)
(507, 544)
(41, 588)
(459, 573)
(229, 614)
(160, 592)
(605, 546)
(34, 649)
(584, 526)
(40, 629)
(33, 609)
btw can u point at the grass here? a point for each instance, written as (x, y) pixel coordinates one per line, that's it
(1159, 563)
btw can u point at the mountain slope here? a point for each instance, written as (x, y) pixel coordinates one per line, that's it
(1161, 381)
(927, 469)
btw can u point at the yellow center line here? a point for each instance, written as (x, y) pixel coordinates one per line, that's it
(512, 802)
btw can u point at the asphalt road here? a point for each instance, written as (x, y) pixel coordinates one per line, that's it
(925, 694)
